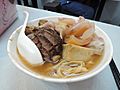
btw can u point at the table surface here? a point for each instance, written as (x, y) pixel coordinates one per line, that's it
(11, 78)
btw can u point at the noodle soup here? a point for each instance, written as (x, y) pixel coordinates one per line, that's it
(69, 48)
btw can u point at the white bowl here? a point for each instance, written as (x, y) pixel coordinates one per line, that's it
(12, 52)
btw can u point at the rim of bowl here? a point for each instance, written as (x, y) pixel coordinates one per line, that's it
(56, 80)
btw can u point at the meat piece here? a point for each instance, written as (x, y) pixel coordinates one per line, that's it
(41, 22)
(48, 42)
(29, 30)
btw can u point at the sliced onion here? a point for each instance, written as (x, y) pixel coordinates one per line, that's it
(68, 21)
(89, 32)
(74, 40)
(80, 28)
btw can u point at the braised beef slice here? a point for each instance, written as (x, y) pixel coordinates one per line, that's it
(47, 40)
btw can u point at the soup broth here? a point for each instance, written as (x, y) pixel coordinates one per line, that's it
(47, 68)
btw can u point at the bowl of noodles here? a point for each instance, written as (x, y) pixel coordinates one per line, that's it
(73, 49)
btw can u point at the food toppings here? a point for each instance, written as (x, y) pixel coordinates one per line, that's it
(72, 46)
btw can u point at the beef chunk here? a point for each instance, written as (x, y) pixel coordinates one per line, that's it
(47, 40)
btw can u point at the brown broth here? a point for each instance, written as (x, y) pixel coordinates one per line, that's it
(96, 60)
(45, 69)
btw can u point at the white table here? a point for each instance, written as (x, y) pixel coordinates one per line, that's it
(11, 78)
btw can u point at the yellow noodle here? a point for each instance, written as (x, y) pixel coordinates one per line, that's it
(67, 72)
